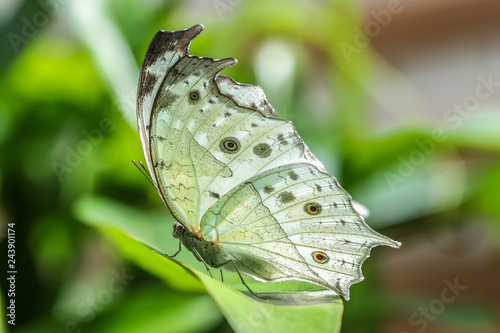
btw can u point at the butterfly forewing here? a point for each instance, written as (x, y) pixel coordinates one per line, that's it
(166, 48)
(203, 143)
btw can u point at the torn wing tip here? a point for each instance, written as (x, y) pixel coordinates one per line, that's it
(395, 244)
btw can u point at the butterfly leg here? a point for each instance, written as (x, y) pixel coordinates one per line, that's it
(203, 261)
(221, 276)
(243, 281)
(176, 253)
(164, 254)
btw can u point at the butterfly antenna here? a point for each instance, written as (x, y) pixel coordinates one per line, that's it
(243, 281)
(145, 172)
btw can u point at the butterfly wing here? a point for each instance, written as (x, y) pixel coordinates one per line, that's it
(293, 222)
(232, 173)
(202, 133)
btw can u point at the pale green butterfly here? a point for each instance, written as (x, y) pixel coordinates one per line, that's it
(246, 191)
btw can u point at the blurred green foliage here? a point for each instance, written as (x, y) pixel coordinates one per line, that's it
(67, 137)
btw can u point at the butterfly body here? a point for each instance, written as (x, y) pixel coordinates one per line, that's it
(241, 183)
(209, 252)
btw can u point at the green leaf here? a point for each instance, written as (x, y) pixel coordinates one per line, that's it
(149, 309)
(279, 312)
(115, 220)
(285, 310)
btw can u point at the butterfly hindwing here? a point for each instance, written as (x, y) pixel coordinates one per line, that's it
(246, 230)
(290, 213)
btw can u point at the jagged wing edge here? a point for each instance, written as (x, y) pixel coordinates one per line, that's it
(253, 97)
(387, 242)
(164, 50)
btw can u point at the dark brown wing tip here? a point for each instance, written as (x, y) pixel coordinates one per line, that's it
(165, 40)
(195, 30)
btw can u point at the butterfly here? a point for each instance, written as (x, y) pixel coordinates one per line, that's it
(245, 190)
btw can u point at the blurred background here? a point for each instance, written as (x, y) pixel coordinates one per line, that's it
(399, 99)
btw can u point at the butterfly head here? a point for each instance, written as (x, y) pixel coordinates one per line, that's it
(179, 230)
